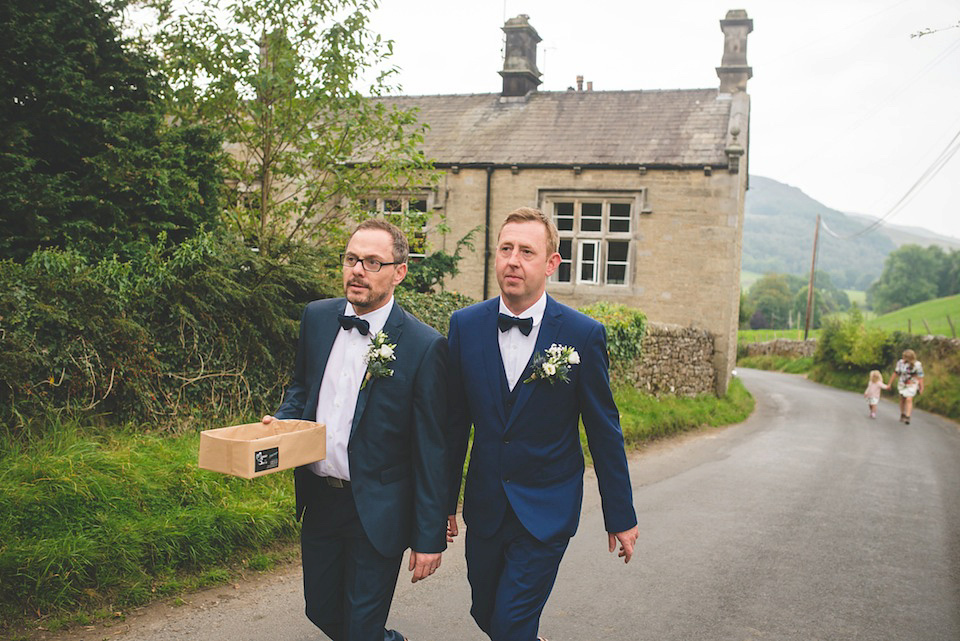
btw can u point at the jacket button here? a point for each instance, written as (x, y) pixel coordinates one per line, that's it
(506, 441)
(506, 480)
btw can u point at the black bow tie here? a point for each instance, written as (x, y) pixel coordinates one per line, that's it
(347, 322)
(505, 322)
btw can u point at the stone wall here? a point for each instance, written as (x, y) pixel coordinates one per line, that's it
(938, 347)
(676, 360)
(783, 347)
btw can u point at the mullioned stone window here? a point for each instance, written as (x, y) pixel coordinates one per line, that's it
(596, 237)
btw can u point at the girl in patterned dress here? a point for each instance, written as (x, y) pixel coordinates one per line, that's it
(909, 376)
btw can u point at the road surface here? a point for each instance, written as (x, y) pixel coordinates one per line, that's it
(808, 521)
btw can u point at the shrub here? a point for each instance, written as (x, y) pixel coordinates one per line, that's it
(626, 328)
(845, 344)
(434, 309)
(206, 327)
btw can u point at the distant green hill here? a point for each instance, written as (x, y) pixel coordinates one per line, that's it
(778, 231)
(934, 312)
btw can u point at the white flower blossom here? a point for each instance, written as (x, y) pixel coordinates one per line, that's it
(573, 358)
(549, 369)
(386, 352)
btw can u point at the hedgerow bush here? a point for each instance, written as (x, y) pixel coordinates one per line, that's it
(204, 328)
(847, 345)
(625, 327)
(433, 308)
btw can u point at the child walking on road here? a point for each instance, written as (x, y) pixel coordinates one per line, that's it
(872, 393)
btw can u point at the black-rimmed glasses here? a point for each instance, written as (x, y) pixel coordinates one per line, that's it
(368, 264)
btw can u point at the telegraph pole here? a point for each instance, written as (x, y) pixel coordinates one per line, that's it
(813, 267)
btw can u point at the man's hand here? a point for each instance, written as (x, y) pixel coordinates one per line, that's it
(267, 419)
(627, 539)
(452, 529)
(423, 565)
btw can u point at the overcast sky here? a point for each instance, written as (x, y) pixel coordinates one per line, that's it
(845, 104)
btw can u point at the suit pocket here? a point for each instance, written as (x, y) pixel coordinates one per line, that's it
(395, 473)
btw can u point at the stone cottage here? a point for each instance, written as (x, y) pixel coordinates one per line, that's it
(646, 187)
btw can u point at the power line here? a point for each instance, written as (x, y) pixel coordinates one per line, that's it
(929, 173)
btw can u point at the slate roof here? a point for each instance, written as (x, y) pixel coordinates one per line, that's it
(683, 127)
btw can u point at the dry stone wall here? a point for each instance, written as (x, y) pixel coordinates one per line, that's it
(783, 347)
(676, 360)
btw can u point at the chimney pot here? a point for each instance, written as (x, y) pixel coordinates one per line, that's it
(733, 70)
(589, 85)
(579, 83)
(520, 73)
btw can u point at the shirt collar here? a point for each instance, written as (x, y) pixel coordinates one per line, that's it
(377, 318)
(535, 311)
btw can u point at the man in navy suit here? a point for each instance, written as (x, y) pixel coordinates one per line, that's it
(524, 485)
(382, 487)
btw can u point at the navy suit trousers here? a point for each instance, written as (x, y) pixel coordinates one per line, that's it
(347, 584)
(511, 576)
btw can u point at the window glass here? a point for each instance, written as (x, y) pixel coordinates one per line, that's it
(588, 261)
(619, 217)
(591, 216)
(563, 216)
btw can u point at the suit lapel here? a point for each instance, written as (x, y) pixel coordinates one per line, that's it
(492, 361)
(392, 328)
(327, 336)
(549, 328)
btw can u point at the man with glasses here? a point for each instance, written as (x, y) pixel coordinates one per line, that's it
(381, 488)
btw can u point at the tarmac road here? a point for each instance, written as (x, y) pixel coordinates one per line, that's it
(808, 521)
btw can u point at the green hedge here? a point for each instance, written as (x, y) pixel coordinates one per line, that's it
(206, 328)
(626, 328)
(846, 344)
(434, 309)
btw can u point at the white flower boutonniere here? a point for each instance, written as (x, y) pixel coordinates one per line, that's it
(554, 364)
(378, 357)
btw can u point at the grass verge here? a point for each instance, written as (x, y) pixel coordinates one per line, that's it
(644, 418)
(777, 363)
(93, 523)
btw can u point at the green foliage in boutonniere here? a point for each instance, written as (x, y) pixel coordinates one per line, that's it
(378, 356)
(554, 364)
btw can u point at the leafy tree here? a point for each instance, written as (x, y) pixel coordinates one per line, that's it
(819, 307)
(758, 321)
(430, 272)
(279, 78)
(913, 274)
(86, 157)
(772, 297)
(745, 310)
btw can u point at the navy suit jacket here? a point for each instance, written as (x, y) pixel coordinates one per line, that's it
(397, 448)
(532, 456)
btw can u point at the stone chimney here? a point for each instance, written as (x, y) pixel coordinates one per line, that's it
(520, 73)
(733, 70)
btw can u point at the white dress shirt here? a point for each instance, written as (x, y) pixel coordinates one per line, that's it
(515, 348)
(340, 388)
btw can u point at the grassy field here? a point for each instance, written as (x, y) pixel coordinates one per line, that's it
(748, 278)
(761, 335)
(93, 523)
(911, 319)
(857, 296)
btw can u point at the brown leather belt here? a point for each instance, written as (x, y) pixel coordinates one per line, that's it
(340, 484)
